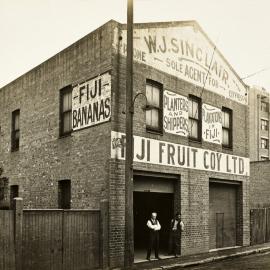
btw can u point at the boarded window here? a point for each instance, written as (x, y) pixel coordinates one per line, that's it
(64, 194)
(14, 193)
(15, 131)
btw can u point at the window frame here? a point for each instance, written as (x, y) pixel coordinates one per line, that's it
(15, 143)
(266, 144)
(63, 91)
(266, 107)
(229, 129)
(267, 124)
(198, 100)
(149, 128)
(264, 158)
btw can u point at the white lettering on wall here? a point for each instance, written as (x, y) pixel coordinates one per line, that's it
(91, 102)
(186, 53)
(175, 113)
(211, 124)
(170, 154)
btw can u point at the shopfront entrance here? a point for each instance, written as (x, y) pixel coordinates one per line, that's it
(152, 194)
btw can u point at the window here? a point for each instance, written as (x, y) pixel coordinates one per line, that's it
(194, 118)
(226, 127)
(154, 102)
(264, 106)
(64, 194)
(15, 131)
(264, 124)
(14, 192)
(65, 111)
(264, 143)
(263, 158)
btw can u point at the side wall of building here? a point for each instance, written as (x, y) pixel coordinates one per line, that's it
(253, 124)
(256, 115)
(44, 158)
(259, 184)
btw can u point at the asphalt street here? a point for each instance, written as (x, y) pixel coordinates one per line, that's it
(251, 262)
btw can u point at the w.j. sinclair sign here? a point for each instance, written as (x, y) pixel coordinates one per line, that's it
(185, 52)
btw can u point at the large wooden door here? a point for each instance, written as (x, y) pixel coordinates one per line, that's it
(61, 239)
(222, 222)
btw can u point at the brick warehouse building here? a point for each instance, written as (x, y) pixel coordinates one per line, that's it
(259, 123)
(63, 124)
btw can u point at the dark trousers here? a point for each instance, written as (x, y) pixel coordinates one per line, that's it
(153, 243)
(174, 247)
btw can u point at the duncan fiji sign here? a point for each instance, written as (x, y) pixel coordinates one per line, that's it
(91, 102)
(170, 154)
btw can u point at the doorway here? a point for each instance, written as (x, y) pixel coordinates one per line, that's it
(152, 194)
(144, 204)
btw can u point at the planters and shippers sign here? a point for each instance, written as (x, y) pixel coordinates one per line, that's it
(211, 124)
(182, 156)
(185, 52)
(91, 102)
(175, 113)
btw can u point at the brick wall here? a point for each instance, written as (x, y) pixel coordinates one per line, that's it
(194, 185)
(84, 157)
(259, 184)
(43, 157)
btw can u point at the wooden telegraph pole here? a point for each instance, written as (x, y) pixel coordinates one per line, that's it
(129, 246)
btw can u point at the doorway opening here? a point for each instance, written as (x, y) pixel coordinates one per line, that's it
(152, 194)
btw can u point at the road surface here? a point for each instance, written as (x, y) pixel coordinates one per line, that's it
(251, 262)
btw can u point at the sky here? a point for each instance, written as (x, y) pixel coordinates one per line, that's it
(31, 31)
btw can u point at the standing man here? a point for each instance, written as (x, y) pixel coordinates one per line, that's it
(153, 241)
(177, 226)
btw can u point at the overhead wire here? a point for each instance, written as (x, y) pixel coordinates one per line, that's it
(255, 73)
(208, 71)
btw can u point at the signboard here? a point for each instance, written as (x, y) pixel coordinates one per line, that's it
(185, 52)
(175, 113)
(91, 102)
(182, 156)
(211, 124)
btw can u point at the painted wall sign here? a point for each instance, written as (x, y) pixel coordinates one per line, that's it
(211, 124)
(170, 154)
(185, 52)
(91, 102)
(175, 113)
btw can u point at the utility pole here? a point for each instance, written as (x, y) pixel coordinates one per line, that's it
(129, 245)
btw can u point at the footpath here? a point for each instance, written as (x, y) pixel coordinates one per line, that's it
(198, 259)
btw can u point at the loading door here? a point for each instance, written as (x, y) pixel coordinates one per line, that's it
(223, 220)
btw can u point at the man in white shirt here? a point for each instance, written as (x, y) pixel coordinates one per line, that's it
(177, 226)
(153, 241)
